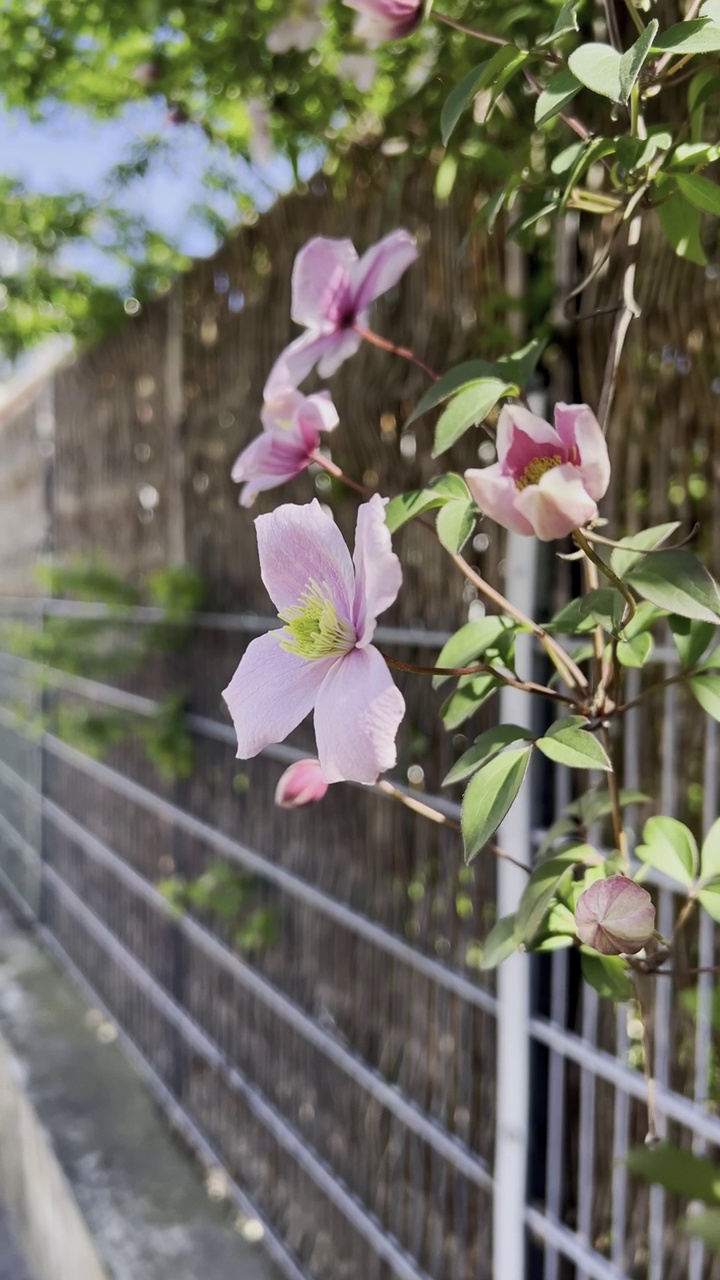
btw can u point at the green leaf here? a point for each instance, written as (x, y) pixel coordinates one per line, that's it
(500, 943)
(489, 797)
(517, 368)
(468, 408)
(596, 804)
(455, 523)
(632, 62)
(706, 1227)
(571, 620)
(559, 90)
(565, 24)
(680, 222)
(709, 899)
(644, 617)
(698, 36)
(594, 150)
(670, 847)
(677, 581)
(465, 701)
(597, 66)
(567, 743)
(691, 638)
(701, 192)
(635, 652)
(630, 550)
(710, 853)
(457, 101)
(679, 1172)
(473, 641)
(542, 887)
(485, 746)
(705, 688)
(608, 975)
(604, 605)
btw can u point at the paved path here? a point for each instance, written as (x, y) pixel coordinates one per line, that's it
(12, 1266)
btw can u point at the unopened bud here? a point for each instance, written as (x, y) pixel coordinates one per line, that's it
(615, 916)
(303, 783)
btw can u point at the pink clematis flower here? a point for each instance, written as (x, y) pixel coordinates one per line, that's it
(386, 19)
(303, 783)
(290, 435)
(322, 657)
(615, 916)
(331, 292)
(547, 480)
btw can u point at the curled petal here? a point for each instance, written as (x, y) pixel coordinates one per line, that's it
(268, 461)
(557, 505)
(519, 433)
(496, 495)
(357, 714)
(378, 574)
(615, 916)
(579, 429)
(295, 362)
(303, 783)
(343, 345)
(300, 544)
(320, 282)
(382, 266)
(270, 693)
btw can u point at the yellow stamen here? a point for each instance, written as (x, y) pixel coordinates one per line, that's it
(536, 469)
(313, 628)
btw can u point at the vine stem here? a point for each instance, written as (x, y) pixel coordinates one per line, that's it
(338, 474)
(405, 353)
(468, 31)
(479, 668)
(434, 815)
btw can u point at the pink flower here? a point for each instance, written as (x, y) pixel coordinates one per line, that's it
(331, 292)
(322, 657)
(547, 481)
(290, 435)
(615, 916)
(386, 19)
(303, 783)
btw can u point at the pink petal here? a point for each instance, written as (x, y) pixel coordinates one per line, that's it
(382, 266)
(320, 282)
(271, 692)
(268, 461)
(522, 437)
(279, 414)
(357, 714)
(295, 362)
(299, 544)
(386, 19)
(496, 495)
(344, 344)
(303, 783)
(378, 574)
(557, 505)
(580, 430)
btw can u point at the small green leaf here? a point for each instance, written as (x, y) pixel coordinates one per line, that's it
(500, 943)
(465, 701)
(706, 1227)
(677, 581)
(606, 606)
(698, 36)
(469, 408)
(571, 620)
(407, 506)
(566, 23)
(630, 550)
(473, 641)
(635, 652)
(632, 62)
(710, 853)
(644, 617)
(457, 101)
(489, 797)
(701, 192)
(679, 1172)
(670, 847)
(485, 746)
(559, 90)
(567, 743)
(680, 222)
(705, 688)
(608, 975)
(596, 804)
(598, 66)
(709, 899)
(542, 887)
(691, 638)
(455, 523)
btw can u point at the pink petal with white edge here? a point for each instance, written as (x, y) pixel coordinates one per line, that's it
(271, 692)
(342, 345)
(557, 505)
(300, 544)
(496, 495)
(579, 428)
(321, 282)
(357, 714)
(378, 573)
(295, 362)
(382, 266)
(303, 783)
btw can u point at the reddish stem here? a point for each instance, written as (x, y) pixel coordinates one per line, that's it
(404, 352)
(480, 668)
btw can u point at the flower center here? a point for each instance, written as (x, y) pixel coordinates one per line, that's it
(536, 469)
(313, 628)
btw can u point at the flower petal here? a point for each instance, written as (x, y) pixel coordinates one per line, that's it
(295, 362)
(357, 713)
(321, 282)
(382, 266)
(496, 495)
(271, 692)
(558, 504)
(522, 436)
(344, 344)
(579, 428)
(378, 574)
(269, 460)
(297, 544)
(303, 783)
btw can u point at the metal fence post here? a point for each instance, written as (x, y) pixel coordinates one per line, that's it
(513, 979)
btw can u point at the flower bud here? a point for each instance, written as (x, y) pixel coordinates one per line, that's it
(303, 783)
(615, 916)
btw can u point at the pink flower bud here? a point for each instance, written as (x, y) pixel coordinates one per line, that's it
(615, 916)
(386, 19)
(303, 783)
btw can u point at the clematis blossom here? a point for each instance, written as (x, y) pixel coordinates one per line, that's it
(291, 433)
(331, 293)
(616, 916)
(547, 480)
(386, 19)
(303, 783)
(323, 656)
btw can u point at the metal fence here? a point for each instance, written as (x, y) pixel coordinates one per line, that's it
(346, 1073)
